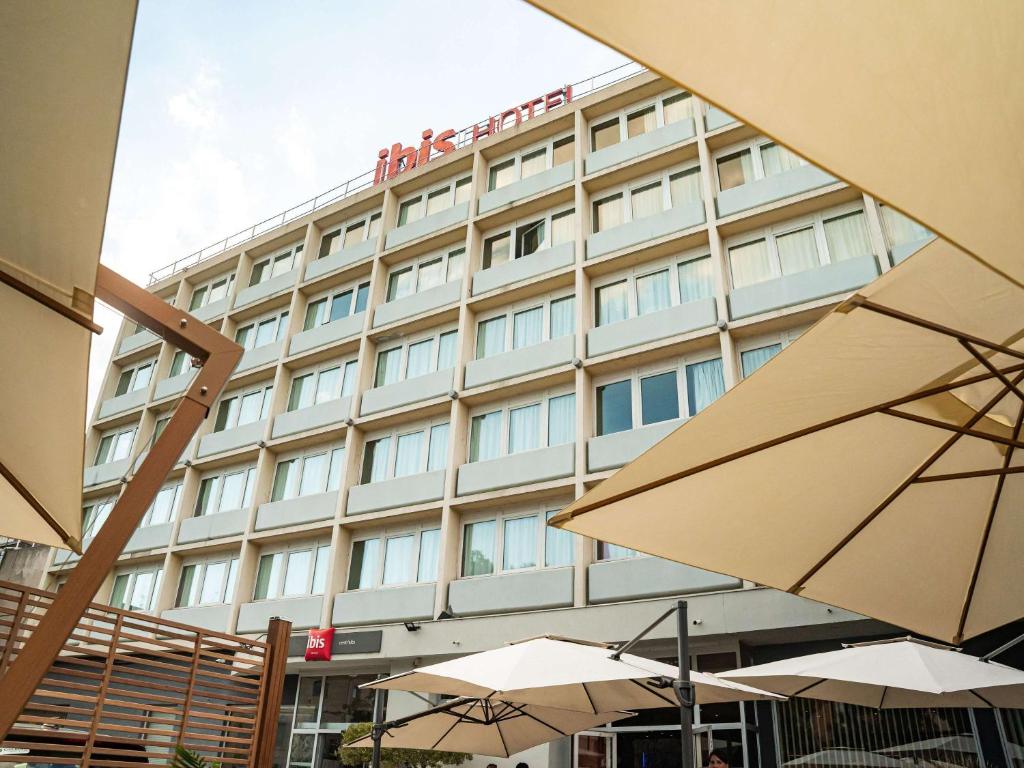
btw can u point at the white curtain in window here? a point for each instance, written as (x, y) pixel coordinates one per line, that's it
(612, 304)
(335, 469)
(446, 350)
(608, 213)
(705, 383)
(296, 573)
(328, 385)
(348, 383)
(368, 563)
(559, 545)
(750, 263)
(520, 543)
(753, 359)
(652, 292)
(696, 280)
(562, 227)
(563, 317)
(778, 160)
(797, 251)
(533, 163)
(381, 450)
(646, 201)
(485, 437)
(490, 337)
(478, 548)
(437, 452)
(430, 549)
(408, 455)
(524, 428)
(213, 583)
(420, 358)
(527, 328)
(847, 237)
(314, 479)
(430, 274)
(684, 187)
(561, 419)
(398, 559)
(606, 551)
(899, 229)
(388, 363)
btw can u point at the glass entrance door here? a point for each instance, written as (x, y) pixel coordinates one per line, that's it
(594, 750)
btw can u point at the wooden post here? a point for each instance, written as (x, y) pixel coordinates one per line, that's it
(278, 633)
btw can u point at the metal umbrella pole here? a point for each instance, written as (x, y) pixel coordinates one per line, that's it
(377, 732)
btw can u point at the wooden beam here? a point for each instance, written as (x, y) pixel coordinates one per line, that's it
(278, 634)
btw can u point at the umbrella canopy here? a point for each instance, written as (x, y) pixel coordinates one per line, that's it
(894, 674)
(964, 743)
(565, 673)
(62, 79)
(488, 727)
(846, 758)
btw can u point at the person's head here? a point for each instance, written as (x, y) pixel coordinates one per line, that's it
(718, 758)
(492, 765)
(522, 765)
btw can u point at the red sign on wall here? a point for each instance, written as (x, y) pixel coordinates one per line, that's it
(318, 645)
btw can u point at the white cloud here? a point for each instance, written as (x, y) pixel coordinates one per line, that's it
(196, 105)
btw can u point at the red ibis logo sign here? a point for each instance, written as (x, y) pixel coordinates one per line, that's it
(391, 162)
(318, 645)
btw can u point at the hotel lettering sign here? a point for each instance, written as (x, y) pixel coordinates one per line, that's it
(391, 162)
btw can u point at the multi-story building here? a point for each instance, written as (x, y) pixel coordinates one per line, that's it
(436, 363)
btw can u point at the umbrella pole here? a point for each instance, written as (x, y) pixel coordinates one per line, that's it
(377, 732)
(683, 687)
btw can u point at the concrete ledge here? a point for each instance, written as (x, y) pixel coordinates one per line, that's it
(258, 356)
(149, 537)
(402, 393)
(330, 412)
(531, 185)
(427, 225)
(229, 439)
(610, 451)
(266, 289)
(216, 526)
(631, 149)
(302, 509)
(547, 260)
(682, 318)
(174, 385)
(803, 286)
(398, 492)
(648, 228)
(522, 591)
(384, 605)
(122, 403)
(211, 310)
(534, 466)
(105, 473)
(519, 362)
(754, 193)
(212, 617)
(904, 251)
(634, 577)
(341, 259)
(418, 303)
(716, 119)
(136, 341)
(328, 333)
(303, 612)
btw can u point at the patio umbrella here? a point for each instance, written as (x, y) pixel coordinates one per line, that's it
(891, 674)
(567, 674)
(841, 757)
(942, 746)
(487, 727)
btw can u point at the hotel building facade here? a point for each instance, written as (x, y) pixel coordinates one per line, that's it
(438, 362)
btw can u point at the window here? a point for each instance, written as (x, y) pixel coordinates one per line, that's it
(640, 122)
(263, 331)
(777, 159)
(847, 237)
(647, 196)
(608, 213)
(538, 422)
(530, 161)
(408, 558)
(526, 237)
(417, 356)
(514, 540)
(115, 445)
(519, 328)
(479, 547)
(136, 590)
(181, 363)
(752, 359)
(734, 170)
(614, 410)
(94, 516)
(336, 305)
(678, 107)
(652, 288)
(207, 583)
(433, 201)
(244, 407)
(409, 451)
(425, 273)
(754, 160)
(659, 398)
(163, 507)
(211, 292)
(606, 551)
(317, 471)
(300, 569)
(349, 234)
(639, 119)
(275, 265)
(328, 381)
(604, 134)
(225, 491)
(900, 229)
(501, 174)
(134, 379)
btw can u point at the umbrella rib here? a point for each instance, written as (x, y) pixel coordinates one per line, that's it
(1002, 472)
(922, 468)
(651, 689)
(782, 439)
(524, 713)
(455, 721)
(995, 371)
(590, 699)
(988, 703)
(1012, 443)
(808, 687)
(983, 545)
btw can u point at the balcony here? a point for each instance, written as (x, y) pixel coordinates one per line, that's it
(266, 289)
(528, 187)
(216, 526)
(328, 333)
(405, 392)
(611, 451)
(904, 251)
(398, 492)
(418, 303)
(122, 403)
(667, 222)
(341, 259)
(638, 577)
(302, 509)
(803, 286)
(211, 310)
(105, 473)
(212, 617)
(523, 468)
(519, 362)
(136, 341)
(384, 606)
(653, 326)
(534, 265)
(522, 591)
(149, 537)
(630, 149)
(716, 118)
(803, 178)
(427, 225)
(313, 417)
(302, 612)
(230, 439)
(260, 356)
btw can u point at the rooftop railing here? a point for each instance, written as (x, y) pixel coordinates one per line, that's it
(361, 182)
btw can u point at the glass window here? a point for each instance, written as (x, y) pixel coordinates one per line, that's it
(696, 279)
(250, 407)
(614, 408)
(608, 213)
(341, 306)
(529, 238)
(400, 283)
(227, 414)
(123, 382)
(678, 107)
(182, 363)
(348, 382)
(446, 350)
(563, 317)
(612, 303)
(454, 267)
(653, 292)
(684, 187)
(268, 575)
(285, 477)
(847, 237)
(533, 163)
(604, 134)
(563, 227)
(797, 251)
(559, 545)
(301, 395)
(219, 289)
(398, 560)
(430, 273)
(750, 263)
(490, 337)
(485, 437)
(478, 548)
(410, 211)
(142, 591)
(659, 398)
(260, 272)
(213, 583)
(778, 160)
(438, 200)
(328, 385)
(198, 298)
(735, 170)
(430, 548)
(462, 189)
(335, 469)
(520, 543)
(186, 587)
(362, 295)
(388, 366)
(408, 454)
(524, 428)
(355, 233)
(563, 151)
(497, 250)
(162, 508)
(375, 460)
(705, 383)
(265, 332)
(362, 572)
(900, 229)
(374, 226)
(753, 359)
(320, 570)
(313, 469)
(122, 445)
(245, 336)
(117, 597)
(207, 492)
(233, 494)
(606, 551)
(562, 419)
(296, 573)
(437, 453)
(501, 174)
(330, 243)
(420, 360)
(527, 327)
(640, 122)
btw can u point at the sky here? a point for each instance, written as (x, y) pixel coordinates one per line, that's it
(235, 111)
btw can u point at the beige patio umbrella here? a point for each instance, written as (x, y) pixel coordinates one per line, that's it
(487, 727)
(56, 163)
(565, 673)
(891, 674)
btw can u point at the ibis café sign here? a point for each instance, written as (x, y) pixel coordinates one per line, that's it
(391, 162)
